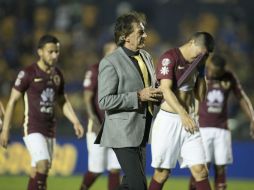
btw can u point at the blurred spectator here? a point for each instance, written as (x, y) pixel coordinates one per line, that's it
(84, 25)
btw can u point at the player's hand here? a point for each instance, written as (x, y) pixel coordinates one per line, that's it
(4, 138)
(79, 130)
(150, 94)
(96, 127)
(252, 129)
(188, 123)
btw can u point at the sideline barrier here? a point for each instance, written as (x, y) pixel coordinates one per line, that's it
(70, 158)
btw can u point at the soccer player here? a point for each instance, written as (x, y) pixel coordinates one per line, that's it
(213, 118)
(42, 86)
(99, 158)
(175, 134)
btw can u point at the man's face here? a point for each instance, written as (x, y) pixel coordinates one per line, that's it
(136, 40)
(214, 71)
(196, 50)
(49, 54)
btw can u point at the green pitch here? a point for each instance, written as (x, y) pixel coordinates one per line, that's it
(72, 183)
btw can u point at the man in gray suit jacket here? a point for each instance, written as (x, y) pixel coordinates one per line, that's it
(126, 91)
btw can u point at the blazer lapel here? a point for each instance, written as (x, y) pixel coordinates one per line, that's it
(150, 68)
(130, 64)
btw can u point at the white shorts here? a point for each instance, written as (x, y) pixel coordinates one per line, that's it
(217, 143)
(39, 147)
(171, 142)
(100, 158)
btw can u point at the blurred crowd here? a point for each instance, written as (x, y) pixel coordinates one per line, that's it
(83, 26)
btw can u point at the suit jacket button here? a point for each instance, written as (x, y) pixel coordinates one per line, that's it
(144, 117)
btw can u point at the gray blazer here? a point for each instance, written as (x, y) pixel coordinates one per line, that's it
(118, 83)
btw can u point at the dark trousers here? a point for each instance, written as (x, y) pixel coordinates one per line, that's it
(132, 161)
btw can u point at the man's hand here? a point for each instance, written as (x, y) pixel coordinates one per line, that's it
(79, 130)
(150, 94)
(4, 138)
(96, 125)
(188, 123)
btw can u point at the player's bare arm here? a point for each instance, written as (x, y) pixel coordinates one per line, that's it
(200, 89)
(88, 99)
(70, 114)
(248, 109)
(177, 104)
(4, 137)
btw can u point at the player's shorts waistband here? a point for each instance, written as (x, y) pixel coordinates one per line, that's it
(169, 114)
(172, 114)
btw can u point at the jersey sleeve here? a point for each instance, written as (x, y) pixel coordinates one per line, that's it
(90, 80)
(22, 81)
(237, 88)
(165, 67)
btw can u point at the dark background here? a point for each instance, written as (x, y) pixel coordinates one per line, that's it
(83, 26)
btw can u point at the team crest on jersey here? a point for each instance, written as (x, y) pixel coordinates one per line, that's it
(225, 84)
(56, 79)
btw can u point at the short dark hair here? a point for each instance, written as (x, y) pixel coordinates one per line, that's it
(47, 39)
(124, 27)
(218, 61)
(204, 39)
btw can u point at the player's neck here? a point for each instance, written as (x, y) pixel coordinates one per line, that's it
(185, 52)
(47, 69)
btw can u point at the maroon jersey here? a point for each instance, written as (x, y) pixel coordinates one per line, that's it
(213, 110)
(171, 66)
(41, 91)
(91, 83)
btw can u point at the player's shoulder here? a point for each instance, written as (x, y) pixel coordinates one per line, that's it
(93, 67)
(170, 53)
(30, 68)
(168, 57)
(25, 75)
(230, 75)
(28, 71)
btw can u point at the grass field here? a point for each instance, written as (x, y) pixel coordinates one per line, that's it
(72, 183)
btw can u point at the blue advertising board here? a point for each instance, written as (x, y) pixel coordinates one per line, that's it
(70, 158)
